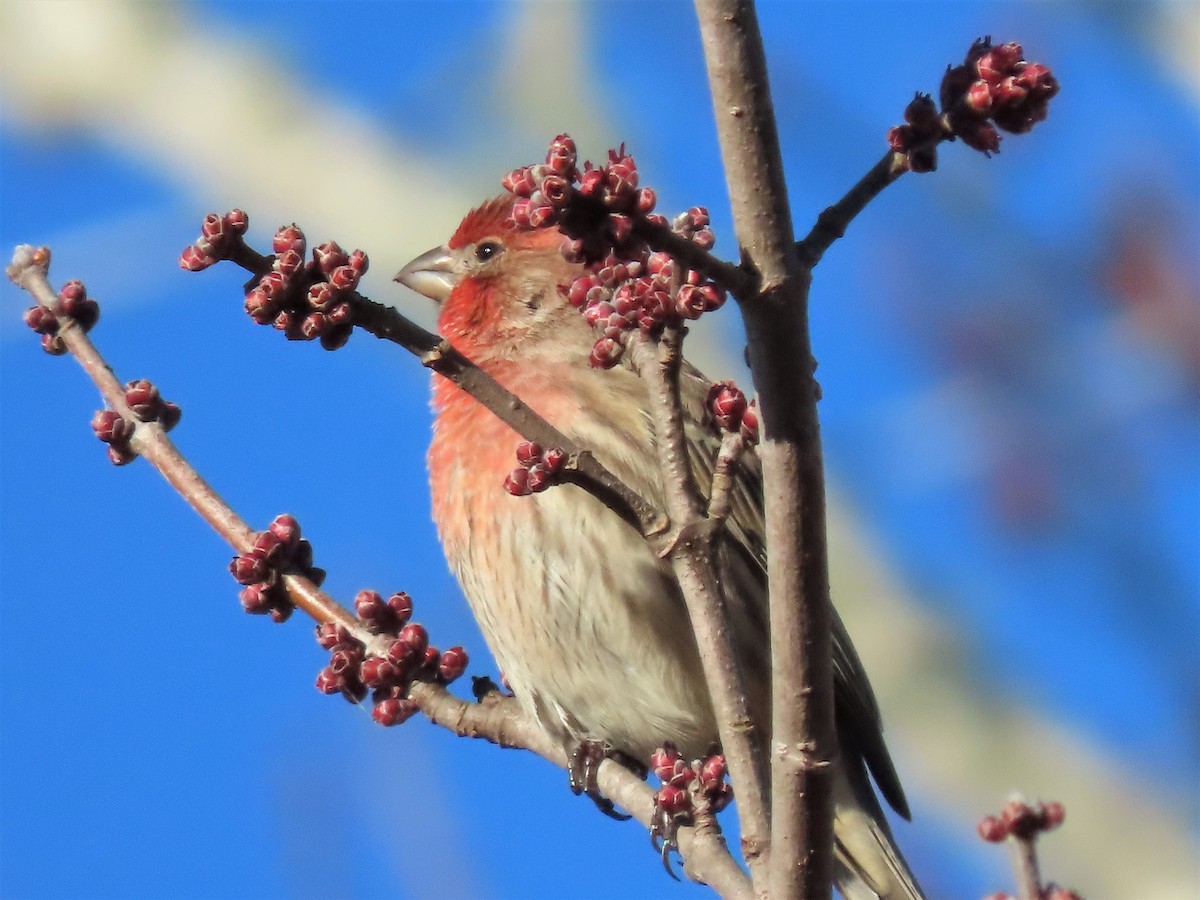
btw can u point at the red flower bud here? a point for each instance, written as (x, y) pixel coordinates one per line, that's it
(329, 682)
(673, 800)
(111, 428)
(452, 664)
(248, 569)
(528, 453)
(517, 482)
(286, 528)
(289, 238)
(415, 635)
(143, 400)
(606, 353)
(401, 606)
(992, 829)
(257, 599)
(41, 320)
(393, 711)
(377, 672)
(194, 259)
(237, 221)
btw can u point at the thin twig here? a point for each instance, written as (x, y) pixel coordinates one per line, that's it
(803, 739)
(720, 494)
(1025, 862)
(833, 220)
(387, 323)
(690, 547)
(707, 859)
(732, 278)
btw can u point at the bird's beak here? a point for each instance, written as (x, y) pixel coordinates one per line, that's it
(432, 274)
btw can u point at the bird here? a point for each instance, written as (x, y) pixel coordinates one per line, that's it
(588, 625)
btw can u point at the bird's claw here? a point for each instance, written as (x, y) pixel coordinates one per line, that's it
(664, 836)
(582, 772)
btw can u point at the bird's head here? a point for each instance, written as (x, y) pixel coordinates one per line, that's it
(498, 285)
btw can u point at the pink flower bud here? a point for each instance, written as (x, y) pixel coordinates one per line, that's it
(344, 278)
(992, 829)
(143, 400)
(111, 428)
(41, 320)
(606, 353)
(1053, 815)
(257, 599)
(415, 636)
(452, 664)
(237, 221)
(248, 569)
(329, 682)
(553, 459)
(393, 711)
(517, 482)
(194, 259)
(213, 229)
(662, 760)
(528, 453)
(562, 156)
(359, 262)
(286, 528)
(377, 672)
(727, 404)
(329, 256)
(330, 634)
(401, 606)
(978, 98)
(369, 606)
(673, 800)
(750, 423)
(289, 238)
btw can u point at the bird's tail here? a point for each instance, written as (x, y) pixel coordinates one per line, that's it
(867, 865)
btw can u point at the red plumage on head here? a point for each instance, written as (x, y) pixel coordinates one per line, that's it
(492, 218)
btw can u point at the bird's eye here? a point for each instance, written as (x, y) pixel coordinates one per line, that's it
(487, 250)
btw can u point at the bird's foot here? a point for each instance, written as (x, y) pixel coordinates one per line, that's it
(583, 769)
(672, 808)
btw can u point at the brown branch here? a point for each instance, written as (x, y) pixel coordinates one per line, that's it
(732, 278)
(803, 740)
(388, 324)
(500, 721)
(720, 492)
(833, 220)
(1025, 864)
(690, 547)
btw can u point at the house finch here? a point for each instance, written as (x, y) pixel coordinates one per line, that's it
(587, 624)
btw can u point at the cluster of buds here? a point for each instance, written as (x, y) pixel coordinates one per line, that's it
(74, 304)
(994, 89)
(146, 405)
(405, 656)
(308, 300)
(218, 236)
(538, 467)
(683, 782)
(627, 287)
(731, 413)
(274, 552)
(1025, 822)
(644, 291)
(1021, 820)
(595, 207)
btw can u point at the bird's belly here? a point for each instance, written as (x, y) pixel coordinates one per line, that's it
(587, 626)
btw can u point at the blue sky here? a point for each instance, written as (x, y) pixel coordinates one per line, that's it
(1009, 355)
